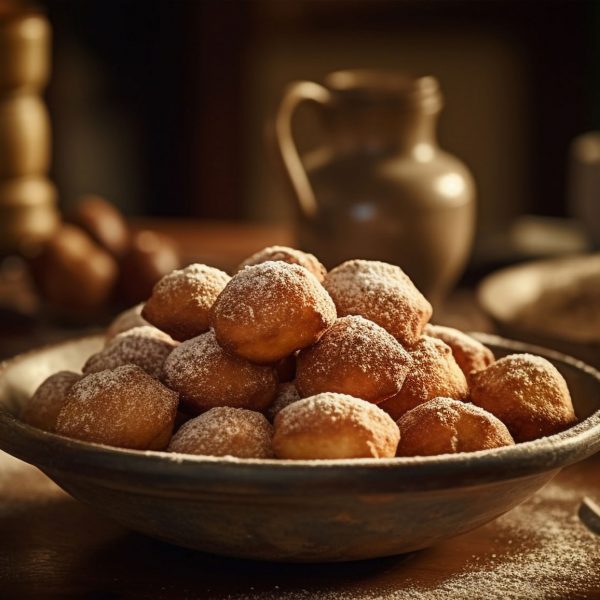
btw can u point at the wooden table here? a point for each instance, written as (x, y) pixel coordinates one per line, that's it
(51, 546)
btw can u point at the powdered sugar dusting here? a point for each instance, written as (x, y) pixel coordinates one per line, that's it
(444, 425)
(207, 376)
(225, 431)
(354, 356)
(537, 551)
(146, 346)
(544, 552)
(331, 406)
(382, 293)
(527, 393)
(202, 279)
(286, 394)
(181, 301)
(449, 409)
(288, 255)
(324, 415)
(122, 407)
(273, 292)
(469, 354)
(434, 372)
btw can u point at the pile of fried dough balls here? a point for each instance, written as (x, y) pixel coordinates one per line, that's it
(287, 360)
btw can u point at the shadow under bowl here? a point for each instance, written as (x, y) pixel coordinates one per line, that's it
(295, 511)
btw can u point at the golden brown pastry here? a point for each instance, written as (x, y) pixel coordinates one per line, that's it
(470, 354)
(181, 301)
(334, 426)
(446, 426)
(382, 293)
(268, 311)
(225, 431)
(207, 376)
(527, 393)
(356, 357)
(286, 394)
(42, 409)
(434, 373)
(288, 255)
(146, 347)
(123, 407)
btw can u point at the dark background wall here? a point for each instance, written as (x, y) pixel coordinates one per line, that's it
(162, 105)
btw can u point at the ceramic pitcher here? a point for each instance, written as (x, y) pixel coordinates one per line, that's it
(379, 187)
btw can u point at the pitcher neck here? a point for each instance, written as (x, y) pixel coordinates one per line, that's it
(383, 110)
(379, 131)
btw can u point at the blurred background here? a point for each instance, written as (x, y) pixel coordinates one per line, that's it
(166, 108)
(163, 106)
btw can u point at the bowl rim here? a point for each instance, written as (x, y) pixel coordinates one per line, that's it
(167, 471)
(487, 289)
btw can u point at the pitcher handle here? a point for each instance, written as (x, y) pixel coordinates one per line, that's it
(296, 93)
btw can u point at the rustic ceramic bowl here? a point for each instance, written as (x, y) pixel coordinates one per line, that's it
(295, 510)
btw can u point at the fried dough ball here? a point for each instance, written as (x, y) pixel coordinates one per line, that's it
(382, 293)
(180, 302)
(286, 394)
(146, 347)
(128, 319)
(206, 376)
(288, 255)
(527, 393)
(356, 357)
(268, 311)
(123, 407)
(334, 426)
(446, 426)
(470, 354)
(225, 431)
(42, 409)
(434, 372)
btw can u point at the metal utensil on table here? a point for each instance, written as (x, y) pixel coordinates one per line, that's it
(589, 514)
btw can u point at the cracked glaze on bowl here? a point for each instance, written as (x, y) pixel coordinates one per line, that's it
(295, 511)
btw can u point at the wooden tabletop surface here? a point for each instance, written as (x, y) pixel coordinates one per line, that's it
(52, 546)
